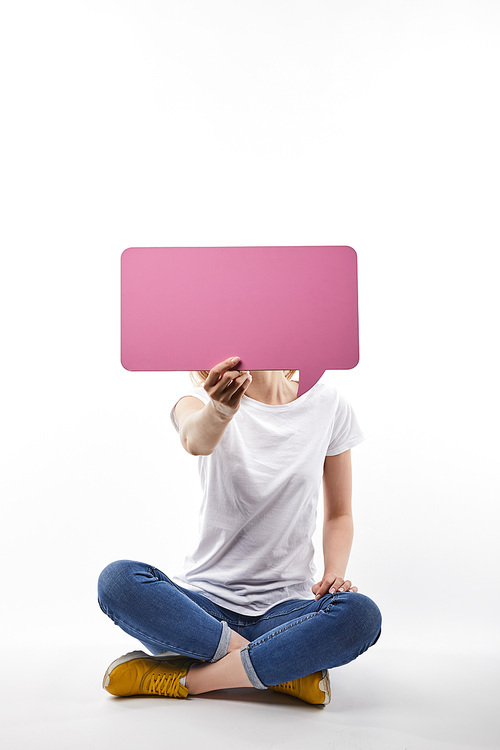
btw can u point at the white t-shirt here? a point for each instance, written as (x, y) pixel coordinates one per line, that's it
(260, 489)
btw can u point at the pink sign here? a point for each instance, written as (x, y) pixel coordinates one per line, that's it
(278, 308)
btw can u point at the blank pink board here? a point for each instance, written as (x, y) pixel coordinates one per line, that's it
(278, 308)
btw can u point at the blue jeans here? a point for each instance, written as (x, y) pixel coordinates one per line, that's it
(292, 639)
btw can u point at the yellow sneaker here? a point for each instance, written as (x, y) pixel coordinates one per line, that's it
(314, 688)
(138, 673)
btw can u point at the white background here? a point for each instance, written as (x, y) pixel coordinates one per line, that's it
(271, 122)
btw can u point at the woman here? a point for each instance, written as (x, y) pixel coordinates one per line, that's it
(241, 613)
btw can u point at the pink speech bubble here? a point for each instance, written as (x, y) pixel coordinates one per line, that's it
(278, 308)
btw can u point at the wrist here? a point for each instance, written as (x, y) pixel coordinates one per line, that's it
(221, 411)
(334, 572)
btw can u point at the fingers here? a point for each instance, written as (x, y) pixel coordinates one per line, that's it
(230, 377)
(226, 385)
(344, 586)
(321, 591)
(331, 584)
(231, 384)
(324, 585)
(218, 369)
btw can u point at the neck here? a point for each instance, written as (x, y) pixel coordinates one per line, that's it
(271, 387)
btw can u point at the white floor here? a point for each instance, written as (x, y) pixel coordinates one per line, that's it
(384, 700)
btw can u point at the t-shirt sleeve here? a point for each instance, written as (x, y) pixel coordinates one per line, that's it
(198, 392)
(346, 432)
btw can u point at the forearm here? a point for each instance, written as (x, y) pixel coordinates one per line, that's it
(338, 533)
(202, 430)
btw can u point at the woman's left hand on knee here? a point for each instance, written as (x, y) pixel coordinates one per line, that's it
(330, 583)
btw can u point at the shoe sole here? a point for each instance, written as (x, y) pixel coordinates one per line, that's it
(130, 657)
(324, 685)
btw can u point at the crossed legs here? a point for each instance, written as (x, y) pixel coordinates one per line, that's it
(228, 672)
(292, 640)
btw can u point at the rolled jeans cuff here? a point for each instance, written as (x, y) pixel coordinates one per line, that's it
(249, 669)
(223, 646)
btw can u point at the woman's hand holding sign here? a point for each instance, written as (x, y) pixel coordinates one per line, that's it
(226, 386)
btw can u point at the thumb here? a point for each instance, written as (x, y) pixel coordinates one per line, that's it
(321, 589)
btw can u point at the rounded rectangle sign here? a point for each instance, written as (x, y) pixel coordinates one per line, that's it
(278, 308)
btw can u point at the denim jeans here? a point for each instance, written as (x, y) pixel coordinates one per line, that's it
(292, 639)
